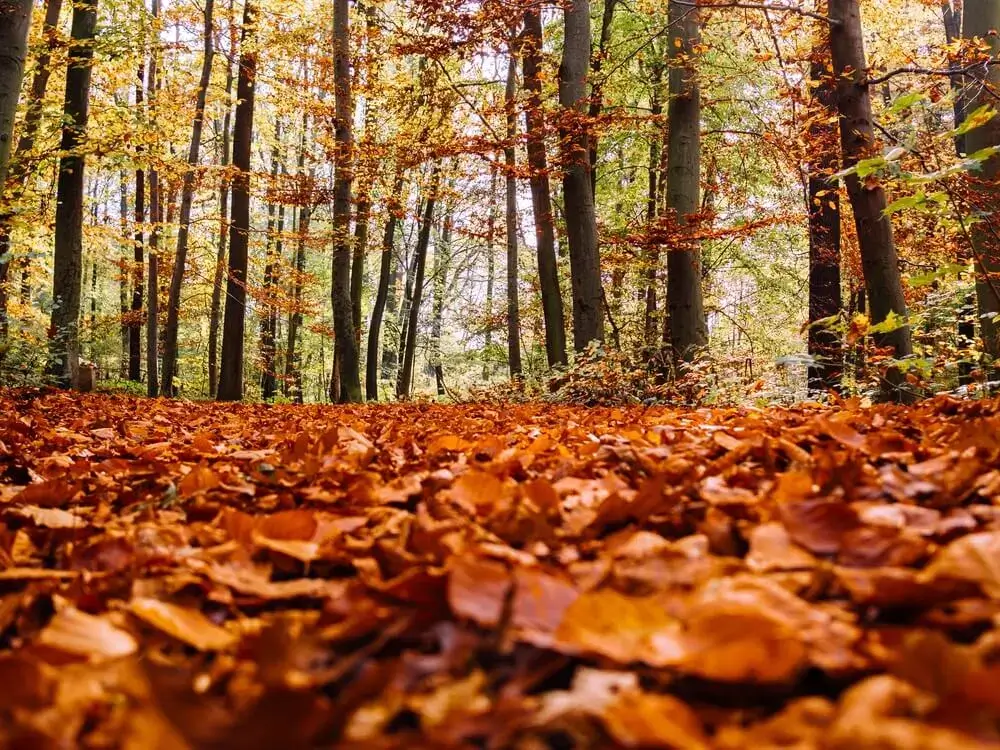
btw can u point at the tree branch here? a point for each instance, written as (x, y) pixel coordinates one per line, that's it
(915, 70)
(778, 7)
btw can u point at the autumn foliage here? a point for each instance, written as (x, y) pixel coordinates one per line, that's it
(204, 575)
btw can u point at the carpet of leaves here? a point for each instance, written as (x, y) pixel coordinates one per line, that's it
(180, 575)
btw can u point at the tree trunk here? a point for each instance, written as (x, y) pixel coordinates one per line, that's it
(67, 271)
(343, 324)
(982, 21)
(441, 262)
(382, 294)
(187, 198)
(597, 93)
(510, 162)
(824, 234)
(125, 275)
(688, 328)
(156, 219)
(952, 12)
(857, 135)
(234, 322)
(409, 345)
(581, 216)
(15, 20)
(220, 257)
(358, 258)
(19, 164)
(293, 366)
(653, 187)
(272, 256)
(138, 258)
(491, 227)
(541, 195)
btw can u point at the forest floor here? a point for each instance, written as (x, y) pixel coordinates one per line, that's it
(176, 575)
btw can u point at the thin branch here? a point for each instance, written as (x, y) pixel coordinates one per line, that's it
(915, 70)
(778, 7)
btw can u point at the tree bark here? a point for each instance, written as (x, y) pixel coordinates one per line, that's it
(272, 256)
(510, 162)
(293, 366)
(234, 322)
(413, 315)
(67, 272)
(15, 21)
(952, 12)
(439, 273)
(857, 136)
(138, 253)
(541, 193)
(156, 219)
(688, 328)
(187, 198)
(824, 234)
(597, 93)
(382, 293)
(982, 21)
(581, 216)
(651, 326)
(19, 164)
(343, 314)
(220, 257)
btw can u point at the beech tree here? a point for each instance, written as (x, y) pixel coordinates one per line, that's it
(67, 271)
(231, 370)
(15, 20)
(688, 327)
(982, 23)
(187, 198)
(581, 218)
(879, 261)
(343, 315)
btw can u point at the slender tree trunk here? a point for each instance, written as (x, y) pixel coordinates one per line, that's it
(67, 271)
(234, 323)
(688, 328)
(20, 163)
(187, 198)
(541, 194)
(510, 162)
(138, 254)
(156, 219)
(343, 324)
(952, 12)
(125, 275)
(824, 234)
(491, 226)
(597, 94)
(358, 258)
(982, 21)
(652, 253)
(413, 315)
(293, 365)
(382, 294)
(220, 258)
(15, 20)
(857, 135)
(581, 216)
(272, 256)
(439, 273)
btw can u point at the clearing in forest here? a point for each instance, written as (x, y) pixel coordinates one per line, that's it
(180, 575)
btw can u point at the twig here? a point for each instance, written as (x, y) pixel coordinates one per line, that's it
(779, 7)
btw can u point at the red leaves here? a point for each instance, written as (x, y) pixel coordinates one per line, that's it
(442, 577)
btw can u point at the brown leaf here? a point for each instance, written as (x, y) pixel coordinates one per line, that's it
(187, 625)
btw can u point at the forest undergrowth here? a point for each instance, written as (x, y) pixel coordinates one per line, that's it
(177, 574)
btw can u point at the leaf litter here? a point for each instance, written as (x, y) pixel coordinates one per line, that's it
(184, 575)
